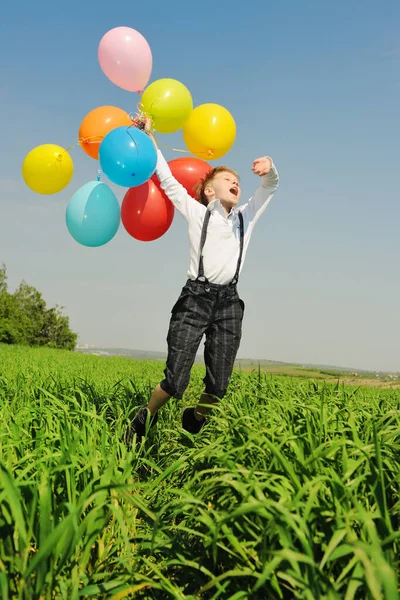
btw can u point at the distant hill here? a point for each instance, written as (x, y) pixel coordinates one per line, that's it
(243, 362)
(153, 355)
(126, 352)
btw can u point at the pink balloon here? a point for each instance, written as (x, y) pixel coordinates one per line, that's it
(125, 58)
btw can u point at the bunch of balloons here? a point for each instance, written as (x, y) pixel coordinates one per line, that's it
(126, 154)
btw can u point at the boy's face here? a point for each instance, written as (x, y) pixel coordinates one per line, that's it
(225, 187)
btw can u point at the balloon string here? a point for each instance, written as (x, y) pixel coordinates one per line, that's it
(88, 140)
(60, 155)
(208, 154)
(140, 120)
(173, 149)
(141, 116)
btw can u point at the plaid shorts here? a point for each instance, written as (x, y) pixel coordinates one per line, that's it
(215, 311)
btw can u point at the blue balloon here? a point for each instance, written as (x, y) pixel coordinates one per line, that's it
(93, 214)
(128, 156)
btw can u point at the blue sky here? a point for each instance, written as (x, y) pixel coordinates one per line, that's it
(314, 84)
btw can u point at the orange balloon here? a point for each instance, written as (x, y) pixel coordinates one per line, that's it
(97, 124)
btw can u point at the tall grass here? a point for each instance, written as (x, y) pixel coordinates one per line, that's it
(290, 491)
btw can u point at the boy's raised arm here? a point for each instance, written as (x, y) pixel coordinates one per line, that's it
(266, 170)
(187, 206)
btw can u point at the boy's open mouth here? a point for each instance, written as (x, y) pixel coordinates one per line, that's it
(234, 191)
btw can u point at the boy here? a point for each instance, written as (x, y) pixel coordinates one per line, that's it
(209, 304)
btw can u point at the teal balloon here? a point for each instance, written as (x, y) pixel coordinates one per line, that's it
(128, 156)
(93, 214)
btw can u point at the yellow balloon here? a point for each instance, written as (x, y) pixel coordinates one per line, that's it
(169, 103)
(210, 131)
(47, 169)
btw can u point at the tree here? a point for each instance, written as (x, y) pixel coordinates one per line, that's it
(7, 332)
(29, 314)
(3, 279)
(55, 330)
(25, 319)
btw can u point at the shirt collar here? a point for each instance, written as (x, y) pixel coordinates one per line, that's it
(216, 205)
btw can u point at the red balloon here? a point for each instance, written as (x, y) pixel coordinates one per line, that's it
(146, 212)
(188, 171)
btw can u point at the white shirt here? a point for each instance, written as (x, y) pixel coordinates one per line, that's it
(221, 249)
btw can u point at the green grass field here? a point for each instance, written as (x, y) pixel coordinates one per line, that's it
(290, 491)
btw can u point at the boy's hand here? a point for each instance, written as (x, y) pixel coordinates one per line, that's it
(262, 166)
(146, 126)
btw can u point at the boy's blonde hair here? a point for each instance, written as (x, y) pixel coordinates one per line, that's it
(203, 183)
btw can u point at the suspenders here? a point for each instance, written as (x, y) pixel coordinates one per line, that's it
(201, 276)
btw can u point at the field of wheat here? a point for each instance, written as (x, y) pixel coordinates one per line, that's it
(290, 491)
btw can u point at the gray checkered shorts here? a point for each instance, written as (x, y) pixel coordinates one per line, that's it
(215, 311)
